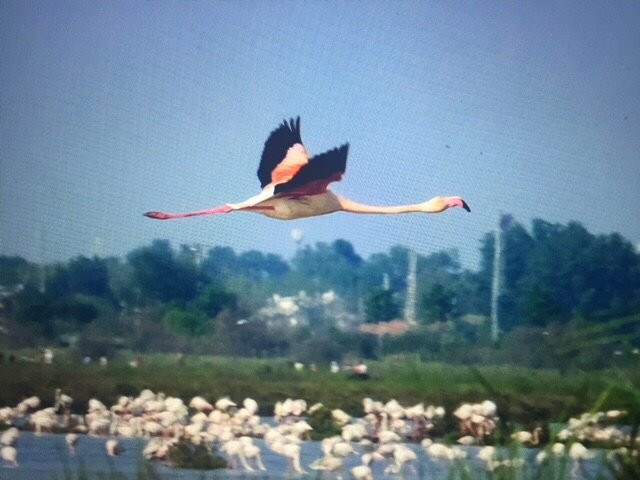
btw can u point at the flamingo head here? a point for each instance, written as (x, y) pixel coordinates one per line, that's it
(456, 202)
(157, 215)
(440, 204)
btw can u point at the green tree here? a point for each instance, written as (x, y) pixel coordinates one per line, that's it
(123, 284)
(329, 266)
(437, 304)
(34, 309)
(192, 323)
(258, 266)
(471, 296)
(380, 306)
(578, 272)
(445, 261)
(517, 247)
(214, 299)
(220, 262)
(345, 250)
(160, 276)
(49, 316)
(394, 264)
(541, 307)
(78, 309)
(14, 271)
(586, 273)
(274, 265)
(89, 276)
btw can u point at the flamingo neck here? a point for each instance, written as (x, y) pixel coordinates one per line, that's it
(434, 205)
(535, 437)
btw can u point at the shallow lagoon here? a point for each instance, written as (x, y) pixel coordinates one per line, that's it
(46, 457)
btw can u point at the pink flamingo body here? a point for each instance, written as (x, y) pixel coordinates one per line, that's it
(296, 186)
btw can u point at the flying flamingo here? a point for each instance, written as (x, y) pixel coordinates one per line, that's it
(295, 186)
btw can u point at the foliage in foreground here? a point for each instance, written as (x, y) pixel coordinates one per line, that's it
(625, 466)
(622, 465)
(323, 424)
(185, 454)
(524, 395)
(145, 471)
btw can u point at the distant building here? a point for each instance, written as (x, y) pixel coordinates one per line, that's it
(47, 355)
(297, 310)
(393, 328)
(335, 368)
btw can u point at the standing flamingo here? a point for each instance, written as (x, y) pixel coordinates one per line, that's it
(295, 186)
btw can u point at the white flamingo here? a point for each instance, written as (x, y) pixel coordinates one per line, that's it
(71, 439)
(401, 456)
(523, 436)
(113, 447)
(292, 452)
(9, 454)
(200, 404)
(252, 452)
(328, 463)
(10, 437)
(362, 472)
(235, 449)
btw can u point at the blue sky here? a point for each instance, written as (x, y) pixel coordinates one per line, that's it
(111, 109)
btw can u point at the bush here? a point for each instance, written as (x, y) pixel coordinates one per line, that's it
(323, 425)
(197, 457)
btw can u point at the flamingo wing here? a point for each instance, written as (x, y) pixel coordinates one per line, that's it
(314, 177)
(283, 155)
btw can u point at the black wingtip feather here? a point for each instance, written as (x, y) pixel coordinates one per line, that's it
(275, 148)
(322, 169)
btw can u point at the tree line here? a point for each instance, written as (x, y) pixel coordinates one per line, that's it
(555, 278)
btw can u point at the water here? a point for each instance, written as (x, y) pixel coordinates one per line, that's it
(47, 457)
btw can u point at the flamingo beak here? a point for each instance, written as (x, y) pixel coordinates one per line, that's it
(457, 202)
(156, 215)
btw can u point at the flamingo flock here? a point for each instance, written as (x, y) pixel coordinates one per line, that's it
(476, 421)
(382, 436)
(295, 185)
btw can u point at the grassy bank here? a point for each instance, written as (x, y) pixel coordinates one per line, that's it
(524, 396)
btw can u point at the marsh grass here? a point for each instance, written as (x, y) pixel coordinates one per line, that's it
(556, 468)
(525, 395)
(145, 471)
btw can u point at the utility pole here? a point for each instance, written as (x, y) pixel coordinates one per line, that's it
(97, 249)
(503, 223)
(495, 283)
(410, 305)
(40, 256)
(198, 253)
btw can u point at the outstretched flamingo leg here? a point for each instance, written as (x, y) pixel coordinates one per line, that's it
(256, 209)
(212, 211)
(171, 216)
(249, 204)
